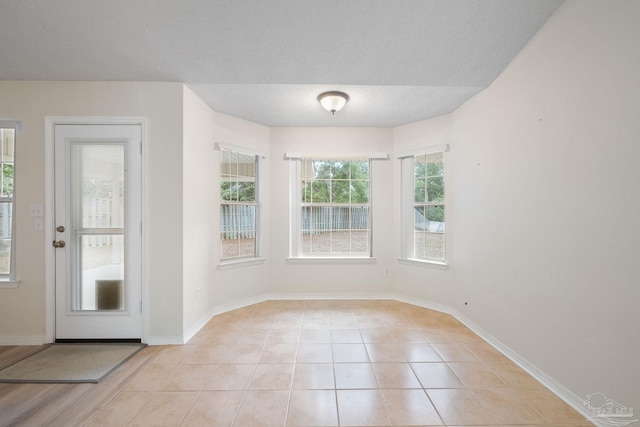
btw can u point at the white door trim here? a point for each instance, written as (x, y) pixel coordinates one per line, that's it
(49, 235)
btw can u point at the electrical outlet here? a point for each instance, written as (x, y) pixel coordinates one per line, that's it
(386, 272)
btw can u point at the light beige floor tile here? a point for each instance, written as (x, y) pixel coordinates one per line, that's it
(410, 408)
(214, 408)
(284, 336)
(507, 406)
(189, 377)
(152, 376)
(436, 375)
(345, 336)
(121, 409)
(404, 335)
(361, 408)
(550, 406)
(355, 376)
(454, 352)
(476, 374)
(345, 353)
(315, 336)
(312, 408)
(314, 353)
(395, 375)
(375, 335)
(263, 409)
(177, 353)
(279, 353)
(165, 409)
(313, 376)
(231, 377)
(243, 353)
(207, 354)
(383, 352)
(254, 336)
(288, 320)
(513, 375)
(272, 377)
(320, 322)
(459, 407)
(365, 355)
(420, 352)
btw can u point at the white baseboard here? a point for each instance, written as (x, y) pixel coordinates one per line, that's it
(164, 340)
(28, 340)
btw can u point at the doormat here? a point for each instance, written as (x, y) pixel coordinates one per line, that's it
(70, 363)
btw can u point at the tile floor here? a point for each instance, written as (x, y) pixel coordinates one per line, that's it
(333, 363)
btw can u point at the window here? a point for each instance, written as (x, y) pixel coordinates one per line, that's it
(332, 213)
(7, 199)
(423, 217)
(238, 205)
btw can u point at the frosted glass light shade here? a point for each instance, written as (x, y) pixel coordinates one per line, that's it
(333, 101)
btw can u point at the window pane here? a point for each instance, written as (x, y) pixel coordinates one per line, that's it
(429, 245)
(429, 228)
(7, 180)
(6, 214)
(420, 166)
(360, 191)
(420, 190)
(435, 164)
(316, 192)
(102, 179)
(237, 231)
(435, 189)
(335, 230)
(340, 190)
(101, 281)
(247, 191)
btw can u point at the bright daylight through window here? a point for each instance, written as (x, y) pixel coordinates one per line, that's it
(424, 207)
(238, 205)
(7, 237)
(334, 215)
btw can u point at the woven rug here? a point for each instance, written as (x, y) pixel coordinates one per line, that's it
(70, 363)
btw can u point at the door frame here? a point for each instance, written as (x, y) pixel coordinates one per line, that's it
(49, 208)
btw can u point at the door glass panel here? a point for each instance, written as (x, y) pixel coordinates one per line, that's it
(98, 201)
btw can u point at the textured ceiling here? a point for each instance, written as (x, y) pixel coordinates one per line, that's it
(266, 60)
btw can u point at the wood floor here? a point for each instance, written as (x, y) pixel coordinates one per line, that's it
(60, 404)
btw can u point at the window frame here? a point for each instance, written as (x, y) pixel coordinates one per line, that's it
(10, 279)
(297, 204)
(409, 204)
(236, 261)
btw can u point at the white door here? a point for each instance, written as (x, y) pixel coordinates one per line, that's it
(98, 231)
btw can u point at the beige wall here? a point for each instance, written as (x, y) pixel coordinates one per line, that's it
(546, 201)
(218, 289)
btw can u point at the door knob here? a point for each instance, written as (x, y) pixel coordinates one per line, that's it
(60, 229)
(59, 244)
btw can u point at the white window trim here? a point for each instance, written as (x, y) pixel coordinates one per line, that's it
(407, 207)
(10, 280)
(230, 263)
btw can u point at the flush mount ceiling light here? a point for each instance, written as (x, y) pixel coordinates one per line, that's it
(333, 101)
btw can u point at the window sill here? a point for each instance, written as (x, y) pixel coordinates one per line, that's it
(331, 260)
(239, 263)
(10, 284)
(424, 263)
